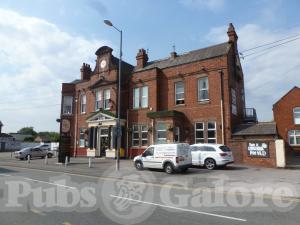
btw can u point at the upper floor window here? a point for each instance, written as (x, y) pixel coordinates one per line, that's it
(294, 137)
(233, 102)
(203, 89)
(82, 103)
(140, 97)
(297, 115)
(67, 105)
(98, 103)
(106, 94)
(179, 93)
(144, 96)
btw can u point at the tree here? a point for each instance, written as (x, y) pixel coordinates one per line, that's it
(28, 131)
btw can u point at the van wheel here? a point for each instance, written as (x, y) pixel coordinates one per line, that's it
(210, 164)
(138, 165)
(169, 168)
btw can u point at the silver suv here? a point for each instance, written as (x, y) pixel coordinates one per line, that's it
(35, 152)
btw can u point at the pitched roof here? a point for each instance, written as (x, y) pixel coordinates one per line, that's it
(267, 128)
(192, 56)
(295, 87)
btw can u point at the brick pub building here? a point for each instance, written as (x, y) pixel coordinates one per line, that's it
(195, 97)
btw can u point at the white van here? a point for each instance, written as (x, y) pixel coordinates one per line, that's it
(170, 157)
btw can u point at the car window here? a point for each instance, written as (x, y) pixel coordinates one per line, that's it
(210, 149)
(225, 148)
(196, 148)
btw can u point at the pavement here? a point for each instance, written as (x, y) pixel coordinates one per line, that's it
(236, 195)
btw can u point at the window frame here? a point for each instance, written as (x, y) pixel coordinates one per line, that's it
(203, 131)
(294, 136)
(178, 134)
(144, 97)
(136, 98)
(65, 112)
(141, 135)
(98, 101)
(294, 115)
(81, 143)
(233, 102)
(200, 89)
(82, 103)
(164, 140)
(180, 100)
(140, 138)
(212, 129)
(106, 101)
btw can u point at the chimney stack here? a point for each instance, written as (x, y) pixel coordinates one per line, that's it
(232, 34)
(173, 55)
(141, 58)
(85, 71)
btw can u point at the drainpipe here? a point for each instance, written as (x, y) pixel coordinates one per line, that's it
(75, 127)
(127, 136)
(222, 106)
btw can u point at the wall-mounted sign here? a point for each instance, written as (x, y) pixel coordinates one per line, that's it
(258, 149)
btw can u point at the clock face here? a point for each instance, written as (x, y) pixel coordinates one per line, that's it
(103, 63)
(65, 126)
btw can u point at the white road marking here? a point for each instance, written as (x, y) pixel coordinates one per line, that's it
(59, 185)
(181, 209)
(37, 212)
(5, 175)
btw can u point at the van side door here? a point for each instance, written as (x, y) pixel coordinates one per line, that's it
(148, 157)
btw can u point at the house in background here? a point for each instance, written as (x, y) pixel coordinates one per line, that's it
(7, 141)
(287, 116)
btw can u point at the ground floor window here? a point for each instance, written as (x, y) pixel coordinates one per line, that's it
(211, 132)
(161, 133)
(139, 135)
(82, 142)
(205, 132)
(294, 137)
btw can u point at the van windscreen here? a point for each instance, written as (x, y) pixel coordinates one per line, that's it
(225, 148)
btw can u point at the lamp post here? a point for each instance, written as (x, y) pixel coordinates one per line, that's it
(119, 132)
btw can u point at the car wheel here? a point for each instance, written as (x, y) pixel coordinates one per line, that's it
(210, 164)
(138, 165)
(169, 168)
(49, 155)
(27, 157)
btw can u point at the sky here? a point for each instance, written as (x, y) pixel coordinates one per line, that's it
(44, 43)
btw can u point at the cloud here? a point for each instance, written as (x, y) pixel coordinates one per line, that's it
(35, 58)
(270, 73)
(213, 5)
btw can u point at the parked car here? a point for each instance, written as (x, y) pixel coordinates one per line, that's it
(211, 155)
(44, 147)
(170, 157)
(32, 153)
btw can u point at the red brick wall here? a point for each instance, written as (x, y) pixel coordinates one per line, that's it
(239, 148)
(283, 115)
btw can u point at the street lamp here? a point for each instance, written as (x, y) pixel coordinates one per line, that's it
(119, 133)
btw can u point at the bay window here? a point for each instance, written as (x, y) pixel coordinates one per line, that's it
(161, 133)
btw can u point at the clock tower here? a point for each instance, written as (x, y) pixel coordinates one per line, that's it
(104, 58)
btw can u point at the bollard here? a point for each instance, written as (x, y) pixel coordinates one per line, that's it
(66, 161)
(28, 159)
(90, 162)
(46, 159)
